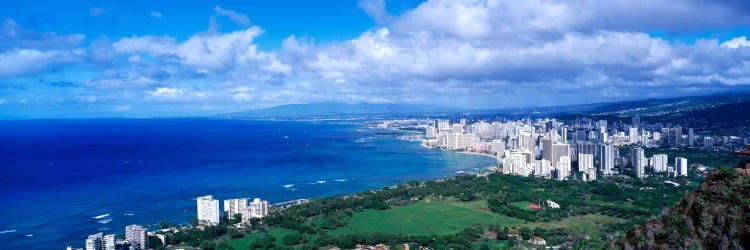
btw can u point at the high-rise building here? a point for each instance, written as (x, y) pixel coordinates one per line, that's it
(562, 168)
(547, 149)
(109, 242)
(460, 141)
(234, 206)
(636, 121)
(675, 137)
(137, 235)
(430, 132)
(586, 165)
(256, 209)
(637, 160)
(94, 242)
(606, 158)
(633, 135)
(208, 210)
(558, 151)
(681, 166)
(515, 163)
(659, 162)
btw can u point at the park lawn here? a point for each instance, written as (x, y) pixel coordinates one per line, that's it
(522, 205)
(425, 218)
(581, 222)
(243, 243)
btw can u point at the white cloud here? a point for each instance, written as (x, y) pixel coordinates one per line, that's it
(167, 92)
(236, 17)
(736, 43)
(122, 108)
(26, 61)
(155, 14)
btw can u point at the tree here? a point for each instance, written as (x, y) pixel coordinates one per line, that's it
(290, 239)
(236, 218)
(194, 221)
(154, 242)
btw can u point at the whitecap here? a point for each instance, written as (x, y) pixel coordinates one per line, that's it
(289, 185)
(320, 182)
(340, 180)
(100, 216)
(104, 221)
(8, 231)
(128, 214)
(29, 235)
(103, 229)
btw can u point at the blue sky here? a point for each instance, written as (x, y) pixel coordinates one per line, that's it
(192, 58)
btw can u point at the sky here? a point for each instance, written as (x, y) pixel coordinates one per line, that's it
(165, 58)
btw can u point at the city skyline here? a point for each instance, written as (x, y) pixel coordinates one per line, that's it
(135, 59)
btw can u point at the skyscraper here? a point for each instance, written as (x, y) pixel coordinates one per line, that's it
(94, 242)
(208, 210)
(137, 235)
(562, 168)
(586, 165)
(234, 206)
(681, 166)
(633, 135)
(606, 158)
(637, 160)
(659, 162)
(691, 137)
(108, 242)
(636, 121)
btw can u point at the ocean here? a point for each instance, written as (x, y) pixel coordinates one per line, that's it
(61, 180)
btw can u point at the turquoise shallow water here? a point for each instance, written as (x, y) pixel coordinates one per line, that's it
(57, 175)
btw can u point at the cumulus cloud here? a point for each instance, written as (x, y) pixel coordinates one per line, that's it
(477, 53)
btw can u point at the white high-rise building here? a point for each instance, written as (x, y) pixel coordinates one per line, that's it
(208, 210)
(430, 132)
(460, 141)
(256, 209)
(633, 135)
(562, 168)
(94, 242)
(638, 161)
(542, 168)
(659, 162)
(234, 206)
(681, 166)
(558, 151)
(606, 158)
(137, 235)
(516, 163)
(109, 242)
(586, 165)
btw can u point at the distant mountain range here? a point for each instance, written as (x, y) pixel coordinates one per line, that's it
(647, 107)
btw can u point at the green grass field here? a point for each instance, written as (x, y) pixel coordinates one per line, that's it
(522, 205)
(243, 243)
(425, 218)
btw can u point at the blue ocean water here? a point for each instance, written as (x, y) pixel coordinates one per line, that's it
(57, 175)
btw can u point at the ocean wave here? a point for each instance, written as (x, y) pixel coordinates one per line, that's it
(104, 221)
(29, 235)
(128, 214)
(8, 231)
(340, 180)
(103, 229)
(289, 185)
(100, 216)
(320, 182)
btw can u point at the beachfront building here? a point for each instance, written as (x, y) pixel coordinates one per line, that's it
(208, 210)
(234, 206)
(108, 242)
(137, 236)
(680, 165)
(95, 242)
(456, 141)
